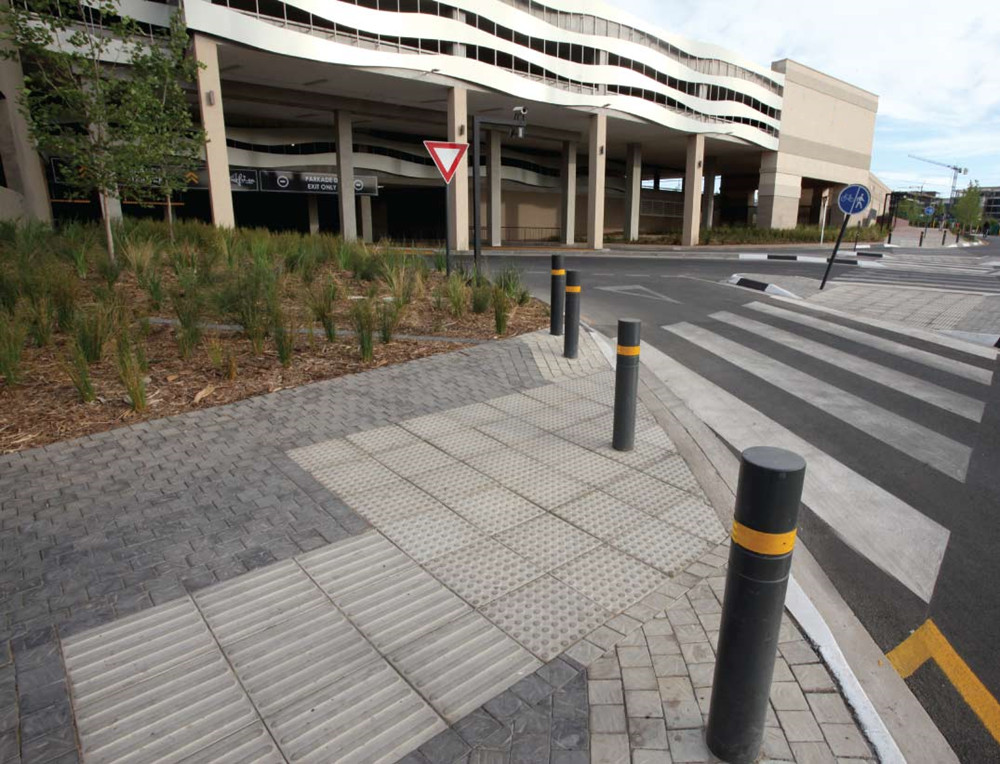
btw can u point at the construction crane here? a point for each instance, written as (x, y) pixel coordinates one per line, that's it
(956, 171)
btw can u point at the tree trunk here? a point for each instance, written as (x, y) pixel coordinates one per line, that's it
(108, 233)
(170, 217)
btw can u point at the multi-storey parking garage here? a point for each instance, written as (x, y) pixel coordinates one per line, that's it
(292, 93)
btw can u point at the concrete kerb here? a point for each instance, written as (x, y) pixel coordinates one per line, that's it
(896, 723)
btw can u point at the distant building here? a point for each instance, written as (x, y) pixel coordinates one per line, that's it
(301, 90)
(991, 202)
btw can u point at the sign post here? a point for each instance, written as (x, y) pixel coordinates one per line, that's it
(852, 200)
(447, 156)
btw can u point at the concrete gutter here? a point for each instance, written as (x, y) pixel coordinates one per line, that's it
(897, 725)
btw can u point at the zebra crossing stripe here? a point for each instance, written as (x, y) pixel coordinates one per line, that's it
(864, 515)
(921, 443)
(957, 368)
(956, 403)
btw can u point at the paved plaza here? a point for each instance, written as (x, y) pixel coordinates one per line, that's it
(434, 562)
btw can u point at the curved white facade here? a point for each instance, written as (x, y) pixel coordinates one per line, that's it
(571, 54)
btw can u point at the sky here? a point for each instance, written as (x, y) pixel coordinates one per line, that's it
(935, 67)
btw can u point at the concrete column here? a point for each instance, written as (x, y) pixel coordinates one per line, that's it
(21, 163)
(568, 182)
(708, 195)
(633, 190)
(458, 193)
(692, 190)
(494, 209)
(213, 123)
(345, 178)
(656, 179)
(313, 214)
(777, 195)
(597, 156)
(366, 219)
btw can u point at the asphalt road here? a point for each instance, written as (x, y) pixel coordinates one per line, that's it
(919, 421)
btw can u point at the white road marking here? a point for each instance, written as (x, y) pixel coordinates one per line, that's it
(928, 392)
(984, 376)
(919, 442)
(894, 536)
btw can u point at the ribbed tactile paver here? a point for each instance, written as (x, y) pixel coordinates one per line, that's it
(601, 515)
(496, 509)
(369, 715)
(548, 541)
(610, 577)
(666, 548)
(397, 609)
(461, 665)
(546, 616)
(484, 571)
(360, 561)
(155, 687)
(255, 601)
(432, 534)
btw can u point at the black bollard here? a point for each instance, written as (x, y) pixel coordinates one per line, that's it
(557, 300)
(944, 235)
(572, 340)
(921, 239)
(764, 526)
(626, 384)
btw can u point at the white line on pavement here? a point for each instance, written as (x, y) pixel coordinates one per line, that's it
(919, 442)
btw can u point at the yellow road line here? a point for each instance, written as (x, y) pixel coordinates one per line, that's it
(928, 643)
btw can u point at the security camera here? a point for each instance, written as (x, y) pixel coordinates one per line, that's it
(521, 111)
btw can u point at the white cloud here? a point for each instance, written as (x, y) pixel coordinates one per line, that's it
(933, 67)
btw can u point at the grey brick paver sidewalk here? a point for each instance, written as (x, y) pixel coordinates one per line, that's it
(433, 584)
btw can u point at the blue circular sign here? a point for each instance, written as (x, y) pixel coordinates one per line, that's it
(928, 210)
(854, 199)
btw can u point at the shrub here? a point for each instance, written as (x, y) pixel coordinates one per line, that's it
(10, 290)
(510, 281)
(77, 243)
(481, 298)
(284, 339)
(437, 298)
(138, 254)
(389, 314)
(63, 291)
(12, 336)
(251, 298)
(458, 294)
(92, 330)
(152, 284)
(109, 270)
(189, 304)
(440, 262)
(41, 318)
(130, 370)
(321, 302)
(501, 309)
(79, 373)
(363, 318)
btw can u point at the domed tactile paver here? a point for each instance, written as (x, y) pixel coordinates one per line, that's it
(546, 616)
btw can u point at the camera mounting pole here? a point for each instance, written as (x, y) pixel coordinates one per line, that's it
(517, 125)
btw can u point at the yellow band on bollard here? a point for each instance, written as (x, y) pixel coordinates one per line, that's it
(763, 543)
(628, 350)
(558, 271)
(572, 289)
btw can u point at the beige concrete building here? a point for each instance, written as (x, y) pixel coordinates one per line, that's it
(616, 110)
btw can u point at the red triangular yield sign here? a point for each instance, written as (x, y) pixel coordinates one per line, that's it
(446, 156)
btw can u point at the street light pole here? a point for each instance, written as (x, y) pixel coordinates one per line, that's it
(517, 125)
